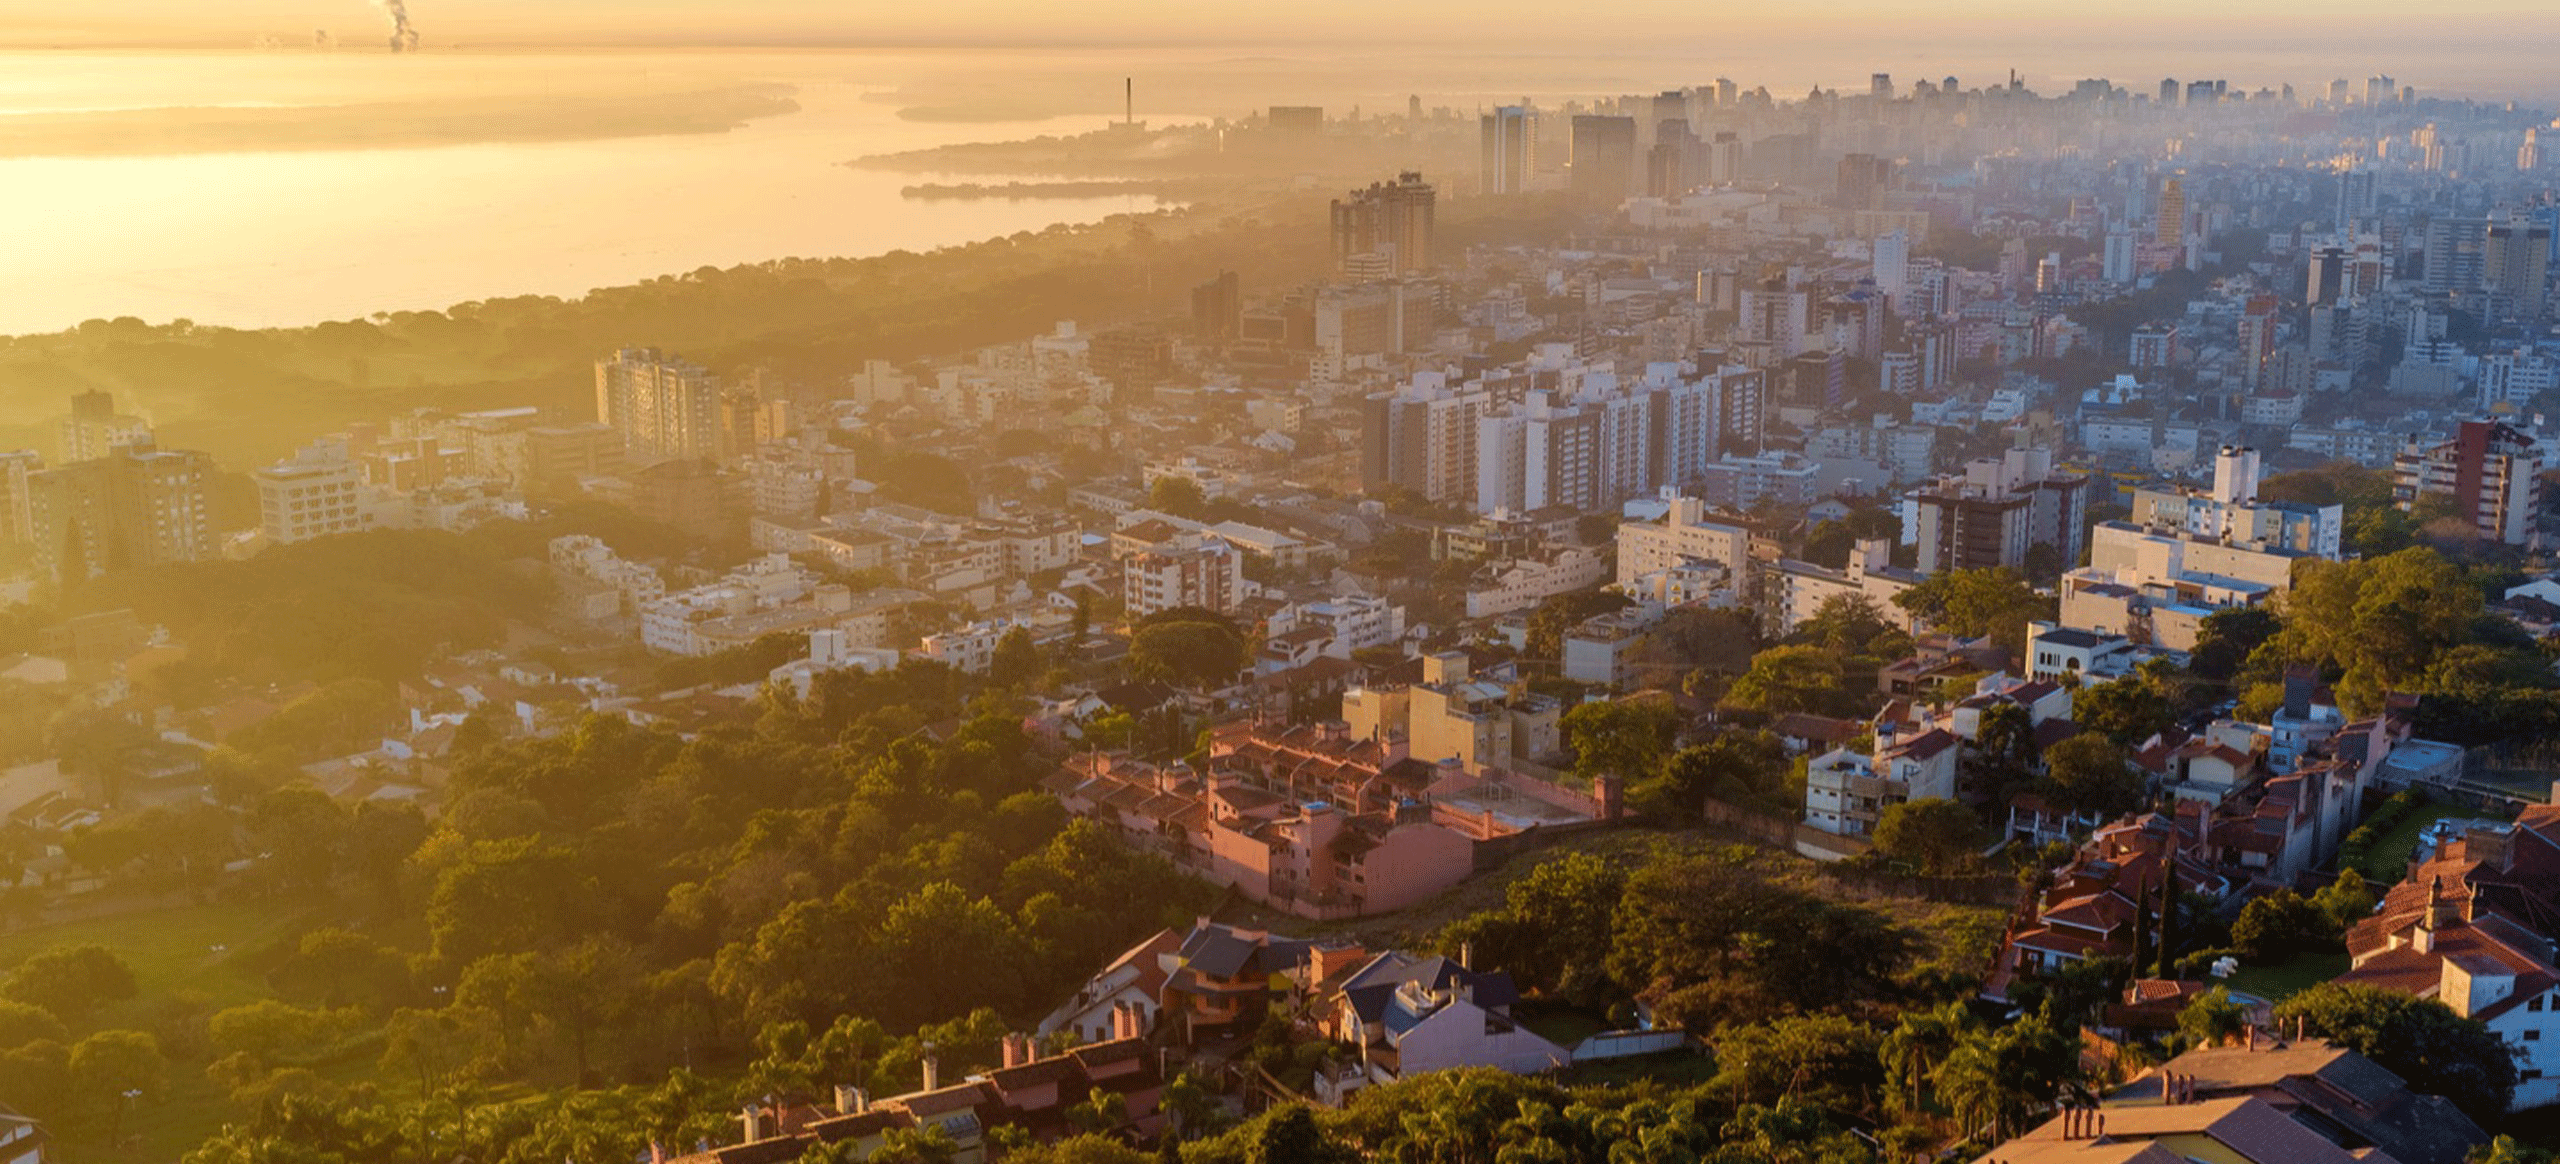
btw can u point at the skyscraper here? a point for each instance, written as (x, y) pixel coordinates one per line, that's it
(95, 428)
(1892, 269)
(662, 405)
(1603, 158)
(1510, 150)
(2169, 227)
(2456, 253)
(2328, 276)
(1387, 225)
(1861, 181)
(17, 524)
(2117, 265)
(136, 506)
(2516, 271)
(2355, 196)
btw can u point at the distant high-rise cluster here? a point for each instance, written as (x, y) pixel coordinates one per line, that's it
(1385, 230)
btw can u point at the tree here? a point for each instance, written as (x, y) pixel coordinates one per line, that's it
(1017, 659)
(106, 1065)
(2347, 900)
(2128, 711)
(2090, 773)
(1742, 768)
(2226, 639)
(1197, 653)
(2380, 623)
(1997, 603)
(1919, 1042)
(2420, 1040)
(2278, 926)
(2211, 1019)
(1827, 1060)
(70, 981)
(1554, 928)
(2001, 763)
(1785, 679)
(21, 1024)
(1626, 738)
(1850, 624)
(1933, 833)
(2509, 1150)
(1553, 617)
(2001, 1076)
(1179, 496)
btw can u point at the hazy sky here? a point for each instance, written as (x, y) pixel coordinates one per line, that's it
(2510, 24)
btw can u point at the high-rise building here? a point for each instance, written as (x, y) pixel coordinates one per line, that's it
(2529, 155)
(17, 523)
(1861, 181)
(1217, 309)
(1777, 315)
(2168, 91)
(2117, 264)
(136, 506)
(1880, 86)
(95, 428)
(2456, 254)
(1891, 270)
(1510, 150)
(1998, 510)
(2328, 276)
(662, 405)
(316, 493)
(1386, 226)
(2516, 271)
(2490, 470)
(2257, 339)
(1603, 158)
(2169, 227)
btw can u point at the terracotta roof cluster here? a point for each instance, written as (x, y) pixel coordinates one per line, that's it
(2488, 903)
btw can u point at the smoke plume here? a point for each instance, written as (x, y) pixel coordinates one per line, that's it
(404, 36)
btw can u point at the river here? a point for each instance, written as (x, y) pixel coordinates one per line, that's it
(285, 237)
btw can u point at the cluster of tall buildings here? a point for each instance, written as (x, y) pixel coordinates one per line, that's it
(1556, 431)
(116, 499)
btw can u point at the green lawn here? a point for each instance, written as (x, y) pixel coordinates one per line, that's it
(2388, 861)
(173, 955)
(174, 950)
(1559, 1024)
(1671, 1068)
(2282, 981)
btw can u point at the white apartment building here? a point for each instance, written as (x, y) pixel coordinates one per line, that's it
(1522, 583)
(317, 493)
(1189, 570)
(1650, 551)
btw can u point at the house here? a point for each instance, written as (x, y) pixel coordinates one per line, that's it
(1029, 1091)
(2089, 910)
(1405, 1014)
(2347, 1099)
(2473, 927)
(22, 1139)
(1134, 979)
(2240, 1130)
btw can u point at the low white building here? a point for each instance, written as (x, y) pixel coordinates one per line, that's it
(1522, 583)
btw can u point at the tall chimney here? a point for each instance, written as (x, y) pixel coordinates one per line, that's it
(932, 1073)
(851, 1100)
(751, 1122)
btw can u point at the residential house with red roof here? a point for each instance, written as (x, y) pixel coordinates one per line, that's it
(2473, 927)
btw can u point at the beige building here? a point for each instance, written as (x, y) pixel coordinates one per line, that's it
(316, 494)
(138, 506)
(1452, 714)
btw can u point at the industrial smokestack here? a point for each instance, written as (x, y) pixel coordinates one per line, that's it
(404, 36)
